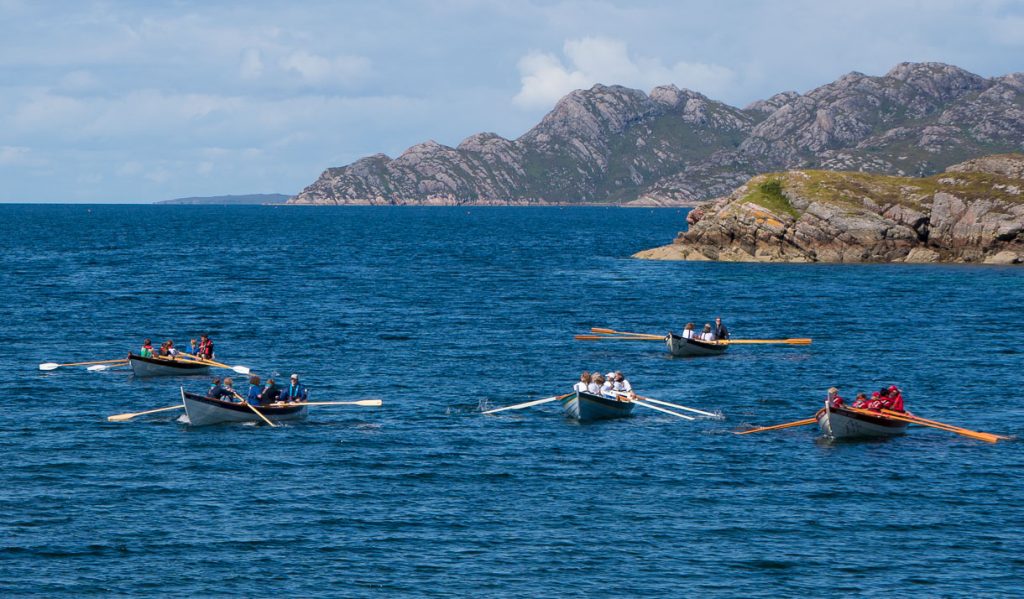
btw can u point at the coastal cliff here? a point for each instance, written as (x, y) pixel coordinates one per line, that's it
(615, 145)
(973, 212)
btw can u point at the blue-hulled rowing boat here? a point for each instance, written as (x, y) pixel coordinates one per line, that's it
(584, 406)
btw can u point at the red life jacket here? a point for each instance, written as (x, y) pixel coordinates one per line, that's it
(896, 403)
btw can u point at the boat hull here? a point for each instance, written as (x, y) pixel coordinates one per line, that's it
(203, 411)
(837, 423)
(682, 347)
(586, 407)
(147, 367)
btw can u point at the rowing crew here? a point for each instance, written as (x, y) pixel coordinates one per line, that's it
(260, 395)
(203, 350)
(883, 399)
(708, 333)
(610, 385)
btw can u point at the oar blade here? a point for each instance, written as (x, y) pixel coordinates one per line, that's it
(373, 403)
(49, 366)
(241, 369)
(120, 417)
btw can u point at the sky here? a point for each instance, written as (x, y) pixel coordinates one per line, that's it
(113, 102)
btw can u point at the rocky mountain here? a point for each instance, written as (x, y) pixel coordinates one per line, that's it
(973, 212)
(614, 144)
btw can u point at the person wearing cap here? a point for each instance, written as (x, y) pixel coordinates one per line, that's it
(581, 386)
(720, 331)
(895, 399)
(295, 391)
(834, 401)
(707, 334)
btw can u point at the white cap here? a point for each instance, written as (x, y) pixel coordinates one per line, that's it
(609, 375)
(294, 376)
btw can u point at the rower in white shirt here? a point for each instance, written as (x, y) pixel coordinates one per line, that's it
(621, 384)
(581, 385)
(707, 335)
(594, 388)
(688, 331)
(608, 387)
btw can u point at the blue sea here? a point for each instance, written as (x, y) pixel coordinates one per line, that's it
(445, 312)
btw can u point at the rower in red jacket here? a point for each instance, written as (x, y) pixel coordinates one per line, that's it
(834, 400)
(896, 399)
(876, 401)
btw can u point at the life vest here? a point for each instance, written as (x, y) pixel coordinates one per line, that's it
(896, 403)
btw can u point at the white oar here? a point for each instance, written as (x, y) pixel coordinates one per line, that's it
(123, 417)
(676, 406)
(54, 365)
(100, 367)
(647, 405)
(528, 404)
(238, 369)
(361, 402)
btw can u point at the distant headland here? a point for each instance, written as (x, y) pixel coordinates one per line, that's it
(254, 198)
(973, 212)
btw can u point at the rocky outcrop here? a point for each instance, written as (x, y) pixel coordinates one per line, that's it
(675, 146)
(974, 212)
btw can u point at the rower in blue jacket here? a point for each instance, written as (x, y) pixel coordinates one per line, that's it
(294, 391)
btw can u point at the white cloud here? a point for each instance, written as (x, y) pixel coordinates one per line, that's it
(545, 78)
(314, 68)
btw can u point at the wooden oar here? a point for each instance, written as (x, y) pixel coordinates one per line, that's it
(676, 406)
(613, 338)
(778, 426)
(54, 365)
(528, 404)
(614, 332)
(361, 402)
(794, 341)
(123, 417)
(653, 407)
(936, 422)
(987, 437)
(253, 408)
(238, 369)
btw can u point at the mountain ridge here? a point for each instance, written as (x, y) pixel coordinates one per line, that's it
(613, 144)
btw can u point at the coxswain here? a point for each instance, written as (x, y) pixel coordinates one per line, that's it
(253, 396)
(205, 350)
(707, 334)
(271, 393)
(295, 391)
(594, 386)
(720, 331)
(834, 401)
(581, 385)
(688, 331)
(147, 349)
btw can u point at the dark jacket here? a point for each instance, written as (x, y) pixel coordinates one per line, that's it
(294, 393)
(271, 393)
(721, 332)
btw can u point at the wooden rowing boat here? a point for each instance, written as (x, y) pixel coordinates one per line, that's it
(202, 410)
(146, 367)
(840, 423)
(682, 347)
(585, 407)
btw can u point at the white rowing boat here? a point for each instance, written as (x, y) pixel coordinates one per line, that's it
(585, 406)
(681, 346)
(840, 423)
(202, 410)
(146, 367)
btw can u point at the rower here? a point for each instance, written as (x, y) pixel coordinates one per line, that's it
(876, 401)
(253, 397)
(271, 393)
(228, 390)
(621, 384)
(295, 391)
(171, 350)
(594, 387)
(581, 385)
(147, 349)
(221, 391)
(834, 401)
(688, 331)
(707, 334)
(608, 386)
(720, 331)
(896, 399)
(205, 350)
(861, 402)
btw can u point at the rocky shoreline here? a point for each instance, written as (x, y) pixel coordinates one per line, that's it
(971, 213)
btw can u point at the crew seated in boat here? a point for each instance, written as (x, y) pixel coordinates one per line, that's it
(295, 391)
(581, 385)
(596, 380)
(608, 386)
(707, 334)
(147, 349)
(222, 391)
(271, 393)
(205, 349)
(172, 351)
(834, 401)
(621, 384)
(894, 401)
(254, 395)
(861, 402)
(688, 331)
